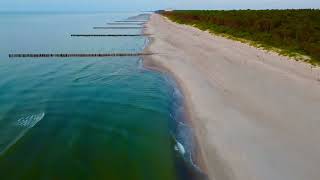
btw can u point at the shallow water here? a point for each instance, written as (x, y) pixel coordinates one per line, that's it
(84, 118)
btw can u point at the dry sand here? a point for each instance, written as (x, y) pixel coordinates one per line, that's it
(256, 114)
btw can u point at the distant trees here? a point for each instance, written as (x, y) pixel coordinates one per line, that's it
(291, 30)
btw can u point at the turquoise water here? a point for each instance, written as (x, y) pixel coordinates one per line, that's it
(85, 118)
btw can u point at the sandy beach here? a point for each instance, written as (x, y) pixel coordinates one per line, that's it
(256, 114)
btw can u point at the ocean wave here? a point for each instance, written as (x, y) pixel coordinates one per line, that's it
(20, 128)
(30, 121)
(179, 147)
(186, 155)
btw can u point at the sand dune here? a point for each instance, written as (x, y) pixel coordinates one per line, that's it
(256, 114)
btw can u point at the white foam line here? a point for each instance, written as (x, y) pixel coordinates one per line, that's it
(15, 140)
(179, 147)
(194, 164)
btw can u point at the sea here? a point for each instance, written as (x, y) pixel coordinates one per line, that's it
(87, 117)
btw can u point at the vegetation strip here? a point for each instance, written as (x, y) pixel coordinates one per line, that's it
(77, 55)
(294, 33)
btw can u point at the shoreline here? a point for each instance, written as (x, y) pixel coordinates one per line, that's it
(197, 157)
(149, 63)
(246, 105)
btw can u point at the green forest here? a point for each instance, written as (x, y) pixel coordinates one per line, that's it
(291, 31)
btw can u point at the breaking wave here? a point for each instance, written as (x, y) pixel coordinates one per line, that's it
(184, 142)
(17, 130)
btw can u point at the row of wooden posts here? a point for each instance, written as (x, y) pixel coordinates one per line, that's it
(107, 35)
(77, 55)
(64, 55)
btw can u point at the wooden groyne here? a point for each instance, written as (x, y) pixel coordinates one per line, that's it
(77, 55)
(118, 27)
(128, 21)
(117, 23)
(107, 35)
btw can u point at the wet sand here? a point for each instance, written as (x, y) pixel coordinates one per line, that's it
(256, 114)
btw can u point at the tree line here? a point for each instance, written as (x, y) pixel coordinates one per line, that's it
(293, 31)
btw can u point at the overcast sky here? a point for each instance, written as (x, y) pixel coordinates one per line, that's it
(133, 5)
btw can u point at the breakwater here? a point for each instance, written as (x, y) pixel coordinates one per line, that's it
(118, 27)
(77, 55)
(125, 23)
(107, 35)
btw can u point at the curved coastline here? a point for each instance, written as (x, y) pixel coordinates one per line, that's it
(245, 104)
(150, 63)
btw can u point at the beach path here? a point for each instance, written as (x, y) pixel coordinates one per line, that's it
(256, 114)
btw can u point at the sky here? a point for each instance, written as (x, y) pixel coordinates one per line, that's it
(134, 5)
